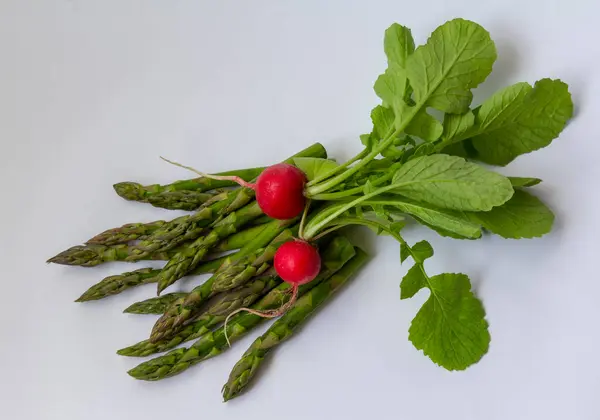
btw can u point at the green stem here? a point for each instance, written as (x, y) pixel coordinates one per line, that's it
(384, 144)
(345, 221)
(335, 170)
(352, 191)
(311, 231)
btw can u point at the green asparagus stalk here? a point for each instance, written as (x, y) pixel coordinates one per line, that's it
(245, 370)
(239, 269)
(116, 284)
(217, 311)
(260, 220)
(180, 200)
(136, 192)
(213, 343)
(154, 306)
(126, 233)
(91, 255)
(113, 285)
(240, 239)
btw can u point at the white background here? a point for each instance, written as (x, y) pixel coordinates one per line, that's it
(92, 92)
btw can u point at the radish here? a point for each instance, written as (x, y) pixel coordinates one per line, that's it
(279, 189)
(297, 262)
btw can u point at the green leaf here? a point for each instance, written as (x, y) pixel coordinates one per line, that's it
(460, 149)
(520, 119)
(383, 121)
(425, 127)
(421, 251)
(447, 233)
(412, 282)
(456, 126)
(523, 216)
(367, 140)
(314, 167)
(456, 58)
(451, 182)
(391, 86)
(397, 226)
(452, 222)
(368, 188)
(523, 182)
(424, 149)
(398, 44)
(450, 327)
(404, 252)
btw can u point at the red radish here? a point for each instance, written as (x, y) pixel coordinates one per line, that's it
(297, 262)
(280, 191)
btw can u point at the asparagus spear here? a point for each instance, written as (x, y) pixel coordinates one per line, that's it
(213, 343)
(260, 220)
(180, 200)
(91, 255)
(238, 240)
(116, 284)
(137, 192)
(156, 305)
(245, 369)
(113, 285)
(126, 233)
(240, 268)
(217, 311)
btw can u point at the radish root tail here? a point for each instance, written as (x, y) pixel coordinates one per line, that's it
(273, 313)
(235, 179)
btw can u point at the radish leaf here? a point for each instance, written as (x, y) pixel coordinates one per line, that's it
(523, 216)
(450, 327)
(456, 58)
(451, 182)
(398, 44)
(450, 221)
(314, 167)
(523, 182)
(519, 119)
(456, 125)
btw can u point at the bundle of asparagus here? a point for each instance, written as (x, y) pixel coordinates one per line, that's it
(226, 220)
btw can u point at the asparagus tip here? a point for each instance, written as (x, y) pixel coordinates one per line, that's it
(160, 288)
(130, 310)
(130, 190)
(85, 297)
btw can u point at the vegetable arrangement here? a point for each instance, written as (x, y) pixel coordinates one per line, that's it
(281, 224)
